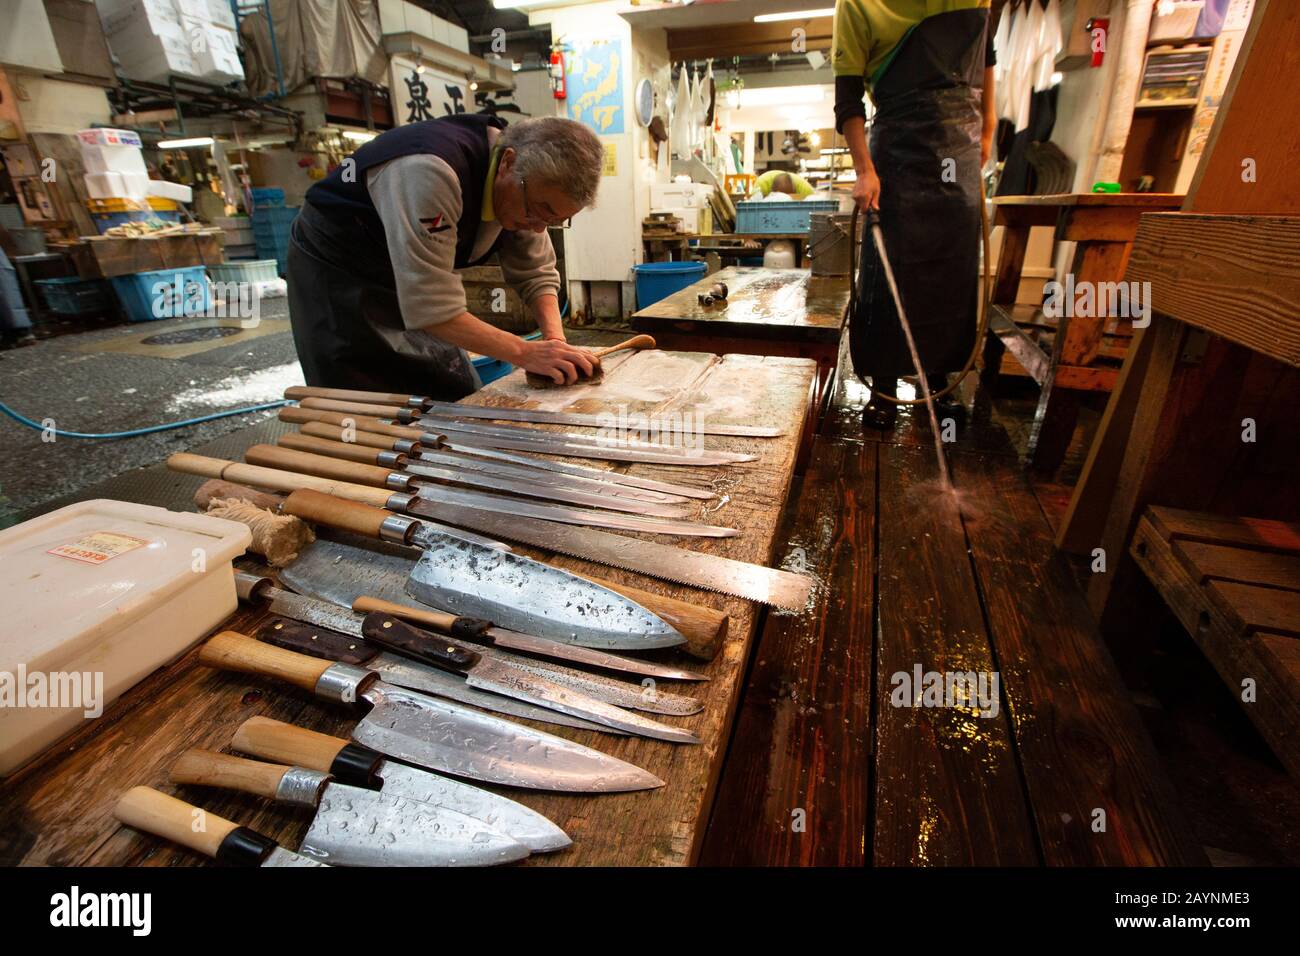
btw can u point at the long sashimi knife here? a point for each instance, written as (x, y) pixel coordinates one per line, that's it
(359, 766)
(435, 733)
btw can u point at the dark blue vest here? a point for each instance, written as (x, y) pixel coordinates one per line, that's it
(460, 141)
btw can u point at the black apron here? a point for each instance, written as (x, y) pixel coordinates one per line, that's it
(925, 144)
(348, 328)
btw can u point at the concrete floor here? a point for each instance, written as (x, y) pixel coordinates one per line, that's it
(133, 376)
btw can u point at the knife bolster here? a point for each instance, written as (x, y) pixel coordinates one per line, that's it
(301, 787)
(357, 766)
(343, 683)
(245, 847)
(397, 528)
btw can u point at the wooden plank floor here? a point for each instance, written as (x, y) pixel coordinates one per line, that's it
(1063, 774)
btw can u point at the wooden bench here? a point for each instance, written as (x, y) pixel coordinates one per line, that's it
(1234, 584)
(1071, 355)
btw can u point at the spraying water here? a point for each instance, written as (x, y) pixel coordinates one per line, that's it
(879, 239)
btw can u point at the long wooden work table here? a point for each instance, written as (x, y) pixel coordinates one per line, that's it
(58, 809)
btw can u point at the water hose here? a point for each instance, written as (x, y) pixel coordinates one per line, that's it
(981, 324)
(167, 426)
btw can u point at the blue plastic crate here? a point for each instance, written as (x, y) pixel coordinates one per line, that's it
(265, 197)
(795, 216)
(164, 294)
(74, 296)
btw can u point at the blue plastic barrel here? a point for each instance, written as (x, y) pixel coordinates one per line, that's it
(659, 280)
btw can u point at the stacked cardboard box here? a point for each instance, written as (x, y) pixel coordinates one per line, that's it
(154, 39)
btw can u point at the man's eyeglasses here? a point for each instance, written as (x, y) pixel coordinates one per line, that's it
(532, 214)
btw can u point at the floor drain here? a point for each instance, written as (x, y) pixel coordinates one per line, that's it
(186, 336)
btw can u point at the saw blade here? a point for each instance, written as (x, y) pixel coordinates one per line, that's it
(596, 474)
(711, 572)
(539, 416)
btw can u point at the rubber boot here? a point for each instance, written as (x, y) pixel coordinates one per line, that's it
(948, 406)
(880, 413)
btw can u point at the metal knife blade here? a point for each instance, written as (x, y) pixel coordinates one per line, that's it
(552, 479)
(576, 449)
(280, 857)
(563, 514)
(356, 827)
(568, 468)
(465, 743)
(542, 488)
(710, 572)
(541, 417)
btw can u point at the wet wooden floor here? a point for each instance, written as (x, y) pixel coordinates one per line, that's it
(826, 768)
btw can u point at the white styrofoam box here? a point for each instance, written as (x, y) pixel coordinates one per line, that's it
(1179, 23)
(156, 69)
(113, 159)
(133, 45)
(678, 195)
(104, 185)
(103, 136)
(154, 16)
(220, 14)
(695, 220)
(166, 190)
(105, 588)
(135, 185)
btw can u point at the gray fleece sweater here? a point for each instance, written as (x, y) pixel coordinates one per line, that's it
(423, 187)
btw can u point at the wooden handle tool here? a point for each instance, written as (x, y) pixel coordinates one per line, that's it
(636, 342)
(351, 436)
(232, 651)
(275, 479)
(207, 768)
(364, 454)
(298, 416)
(153, 812)
(298, 392)
(286, 743)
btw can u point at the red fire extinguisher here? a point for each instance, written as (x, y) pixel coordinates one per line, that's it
(1098, 33)
(557, 74)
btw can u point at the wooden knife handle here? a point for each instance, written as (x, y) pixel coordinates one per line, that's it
(347, 451)
(296, 392)
(146, 809)
(322, 466)
(387, 631)
(421, 615)
(636, 342)
(316, 641)
(336, 512)
(298, 416)
(355, 407)
(274, 740)
(350, 436)
(232, 651)
(207, 768)
(274, 478)
(703, 627)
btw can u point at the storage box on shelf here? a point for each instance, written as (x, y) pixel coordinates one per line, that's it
(271, 232)
(74, 296)
(762, 216)
(165, 294)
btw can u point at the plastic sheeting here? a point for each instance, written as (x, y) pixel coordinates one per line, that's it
(329, 38)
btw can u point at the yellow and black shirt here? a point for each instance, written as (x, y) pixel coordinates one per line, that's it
(868, 33)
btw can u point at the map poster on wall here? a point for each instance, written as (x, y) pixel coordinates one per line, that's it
(594, 84)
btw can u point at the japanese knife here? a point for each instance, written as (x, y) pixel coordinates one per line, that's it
(435, 733)
(409, 483)
(422, 403)
(153, 812)
(359, 766)
(354, 826)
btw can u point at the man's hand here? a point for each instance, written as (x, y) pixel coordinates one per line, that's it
(559, 361)
(866, 191)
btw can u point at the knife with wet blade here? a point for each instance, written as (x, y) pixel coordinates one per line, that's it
(157, 813)
(500, 586)
(417, 492)
(354, 826)
(352, 764)
(498, 678)
(434, 733)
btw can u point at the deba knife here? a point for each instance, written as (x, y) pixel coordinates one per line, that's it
(153, 812)
(435, 733)
(354, 826)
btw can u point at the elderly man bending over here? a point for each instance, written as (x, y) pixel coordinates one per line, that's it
(374, 298)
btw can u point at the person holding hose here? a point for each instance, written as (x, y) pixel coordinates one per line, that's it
(928, 66)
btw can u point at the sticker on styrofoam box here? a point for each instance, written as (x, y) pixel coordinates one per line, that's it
(98, 547)
(155, 16)
(109, 137)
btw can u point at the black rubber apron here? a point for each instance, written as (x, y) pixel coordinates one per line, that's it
(348, 328)
(925, 144)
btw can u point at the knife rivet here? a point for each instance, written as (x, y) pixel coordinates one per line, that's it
(388, 624)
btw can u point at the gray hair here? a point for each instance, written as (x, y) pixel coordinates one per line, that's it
(558, 151)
